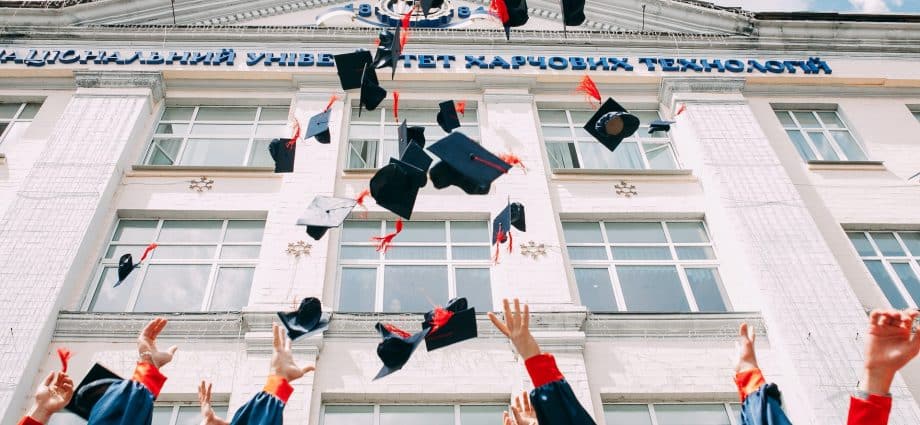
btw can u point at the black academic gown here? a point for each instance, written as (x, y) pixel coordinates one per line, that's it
(552, 398)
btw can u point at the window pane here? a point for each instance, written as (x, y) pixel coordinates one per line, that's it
(183, 252)
(687, 232)
(689, 414)
(807, 119)
(562, 155)
(244, 231)
(637, 232)
(221, 130)
(576, 232)
(274, 114)
(595, 290)
(823, 146)
(848, 145)
(259, 156)
(176, 113)
(239, 252)
(231, 292)
(474, 285)
(108, 298)
(217, 152)
(552, 116)
(652, 289)
(29, 111)
(212, 113)
(912, 241)
(272, 131)
(414, 288)
(164, 151)
(909, 279)
(359, 253)
(580, 117)
(695, 253)
(171, 129)
(364, 131)
(141, 231)
(801, 145)
(785, 119)
(3, 126)
(421, 253)
(116, 251)
(861, 243)
(886, 284)
(595, 155)
(660, 156)
(587, 253)
(173, 288)
(9, 110)
(557, 133)
(481, 415)
(830, 119)
(471, 253)
(360, 231)
(357, 289)
(420, 231)
(627, 414)
(162, 415)
(362, 154)
(628, 156)
(190, 231)
(188, 415)
(469, 231)
(641, 253)
(887, 244)
(349, 415)
(416, 415)
(707, 289)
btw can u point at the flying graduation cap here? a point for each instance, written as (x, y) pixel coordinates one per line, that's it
(396, 348)
(307, 320)
(91, 389)
(573, 12)
(450, 325)
(611, 124)
(356, 70)
(282, 152)
(659, 125)
(512, 215)
(396, 185)
(126, 264)
(413, 134)
(512, 13)
(318, 126)
(427, 5)
(324, 213)
(447, 116)
(389, 50)
(465, 164)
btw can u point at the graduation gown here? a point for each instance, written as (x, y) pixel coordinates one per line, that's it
(266, 407)
(873, 410)
(552, 397)
(760, 402)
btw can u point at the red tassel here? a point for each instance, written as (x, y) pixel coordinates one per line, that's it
(461, 108)
(290, 144)
(360, 200)
(384, 242)
(499, 238)
(332, 100)
(440, 318)
(406, 22)
(510, 242)
(512, 160)
(488, 163)
(397, 331)
(64, 354)
(590, 90)
(149, 248)
(499, 9)
(681, 109)
(396, 105)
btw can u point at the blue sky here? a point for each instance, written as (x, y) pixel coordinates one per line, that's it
(870, 6)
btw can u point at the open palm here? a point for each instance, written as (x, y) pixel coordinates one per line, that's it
(208, 417)
(891, 343)
(147, 343)
(283, 358)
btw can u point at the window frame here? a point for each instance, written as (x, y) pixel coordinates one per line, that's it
(610, 263)
(251, 139)
(379, 264)
(176, 406)
(913, 261)
(17, 118)
(376, 408)
(574, 140)
(727, 405)
(215, 263)
(825, 130)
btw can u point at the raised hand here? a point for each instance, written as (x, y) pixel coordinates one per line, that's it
(517, 328)
(147, 344)
(208, 417)
(891, 344)
(51, 396)
(282, 359)
(745, 348)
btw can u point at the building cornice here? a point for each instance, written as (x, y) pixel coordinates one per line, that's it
(152, 80)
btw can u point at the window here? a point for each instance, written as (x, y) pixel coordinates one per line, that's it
(412, 415)
(916, 115)
(15, 119)
(373, 136)
(570, 146)
(200, 265)
(820, 136)
(429, 263)
(893, 259)
(673, 414)
(163, 414)
(657, 267)
(217, 136)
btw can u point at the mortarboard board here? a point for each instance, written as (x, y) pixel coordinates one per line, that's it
(415, 156)
(307, 320)
(126, 264)
(389, 50)
(447, 117)
(282, 154)
(573, 12)
(450, 325)
(465, 164)
(324, 213)
(517, 15)
(512, 215)
(427, 5)
(396, 348)
(414, 134)
(659, 125)
(91, 389)
(350, 67)
(371, 92)
(395, 187)
(611, 124)
(319, 127)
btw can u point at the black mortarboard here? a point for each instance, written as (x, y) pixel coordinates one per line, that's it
(659, 125)
(282, 154)
(612, 117)
(465, 164)
(307, 320)
(415, 156)
(517, 15)
(573, 12)
(447, 117)
(396, 348)
(414, 134)
(371, 92)
(91, 389)
(319, 127)
(455, 323)
(395, 187)
(427, 5)
(512, 215)
(324, 213)
(350, 67)
(125, 267)
(389, 50)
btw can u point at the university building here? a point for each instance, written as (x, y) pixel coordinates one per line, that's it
(783, 196)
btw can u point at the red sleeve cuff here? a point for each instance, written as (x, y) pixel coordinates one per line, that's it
(149, 376)
(278, 387)
(749, 381)
(542, 369)
(28, 420)
(873, 411)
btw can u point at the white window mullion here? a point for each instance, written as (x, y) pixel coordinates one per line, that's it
(891, 273)
(654, 416)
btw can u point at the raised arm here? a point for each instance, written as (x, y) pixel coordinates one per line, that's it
(51, 396)
(760, 402)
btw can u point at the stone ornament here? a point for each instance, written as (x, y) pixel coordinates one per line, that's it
(298, 249)
(201, 184)
(533, 250)
(626, 189)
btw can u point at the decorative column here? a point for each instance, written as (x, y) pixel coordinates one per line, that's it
(66, 193)
(813, 319)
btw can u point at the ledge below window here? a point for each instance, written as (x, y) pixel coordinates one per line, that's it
(2, 159)
(596, 173)
(846, 165)
(197, 171)
(359, 172)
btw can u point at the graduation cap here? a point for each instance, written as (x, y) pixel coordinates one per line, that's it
(324, 213)
(91, 389)
(450, 325)
(465, 164)
(512, 215)
(512, 13)
(307, 320)
(396, 348)
(447, 117)
(427, 5)
(371, 92)
(389, 50)
(282, 152)
(395, 186)
(319, 127)
(350, 67)
(407, 135)
(611, 124)
(126, 264)
(573, 12)
(659, 125)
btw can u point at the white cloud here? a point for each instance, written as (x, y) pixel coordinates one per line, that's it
(872, 5)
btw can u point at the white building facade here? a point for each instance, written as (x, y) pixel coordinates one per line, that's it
(781, 197)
